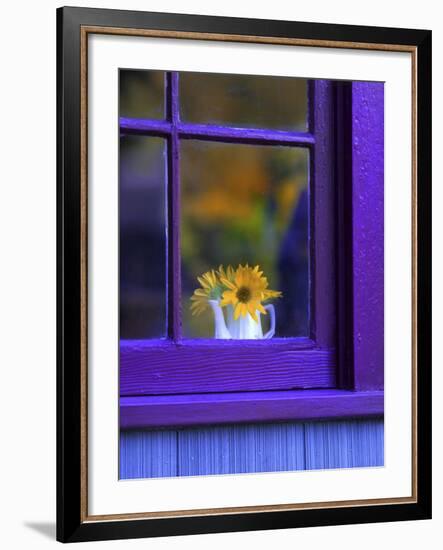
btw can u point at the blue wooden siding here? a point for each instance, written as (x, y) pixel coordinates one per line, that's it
(251, 448)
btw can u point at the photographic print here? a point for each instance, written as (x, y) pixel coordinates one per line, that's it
(243, 274)
(226, 181)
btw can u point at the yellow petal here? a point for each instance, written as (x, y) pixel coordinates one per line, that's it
(261, 308)
(228, 284)
(202, 282)
(237, 311)
(200, 292)
(252, 312)
(228, 297)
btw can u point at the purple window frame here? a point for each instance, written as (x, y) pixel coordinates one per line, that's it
(337, 371)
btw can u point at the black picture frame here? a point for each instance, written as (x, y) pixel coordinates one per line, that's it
(72, 525)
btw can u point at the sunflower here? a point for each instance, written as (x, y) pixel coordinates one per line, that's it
(210, 290)
(246, 289)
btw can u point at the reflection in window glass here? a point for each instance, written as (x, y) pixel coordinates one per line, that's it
(246, 204)
(141, 94)
(142, 237)
(244, 100)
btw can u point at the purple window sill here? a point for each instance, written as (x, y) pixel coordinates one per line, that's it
(224, 408)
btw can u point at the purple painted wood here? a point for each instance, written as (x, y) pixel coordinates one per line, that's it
(139, 126)
(241, 449)
(193, 367)
(150, 367)
(219, 408)
(151, 455)
(245, 135)
(211, 132)
(174, 257)
(345, 444)
(251, 448)
(345, 274)
(368, 233)
(173, 97)
(322, 216)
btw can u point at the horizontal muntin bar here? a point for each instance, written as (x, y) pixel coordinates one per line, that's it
(244, 135)
(139, 126)
(211, 132)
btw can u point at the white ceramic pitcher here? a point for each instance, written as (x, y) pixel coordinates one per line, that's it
(243, 328)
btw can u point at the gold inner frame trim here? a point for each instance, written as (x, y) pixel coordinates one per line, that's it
(84, 32)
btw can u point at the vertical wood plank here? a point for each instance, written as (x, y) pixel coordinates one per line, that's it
(322, 215)
(344, 444)
(251, 448)
(359, 166)
(368, 233)
(148, 454)
(173, 229)
(241, 449)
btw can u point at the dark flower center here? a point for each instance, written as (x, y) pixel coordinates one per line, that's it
(243, 294)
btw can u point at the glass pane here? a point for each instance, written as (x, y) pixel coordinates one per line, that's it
(142, 237)
(142, 94)
(245, 204)
(244, 100)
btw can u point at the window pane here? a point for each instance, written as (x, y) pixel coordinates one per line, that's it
(244, 100)
(246, 204)
(142, 94)
(142, 237)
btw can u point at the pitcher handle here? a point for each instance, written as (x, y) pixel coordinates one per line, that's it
(271, 330)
